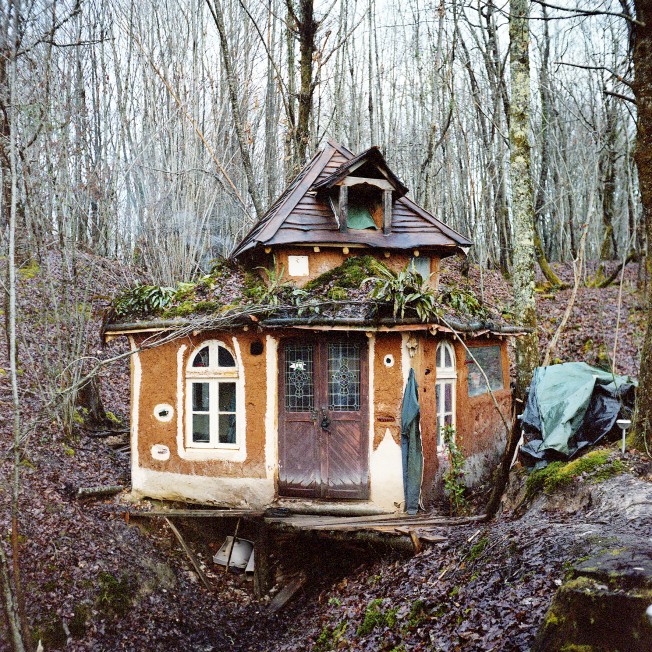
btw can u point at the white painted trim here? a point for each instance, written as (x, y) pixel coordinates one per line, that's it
(136, 379)
(271, 408)
(237, 453)
(406, 364)
(371, 347)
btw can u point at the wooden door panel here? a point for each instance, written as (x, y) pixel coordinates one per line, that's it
(347, 461)
(299, 453)
(330, 462)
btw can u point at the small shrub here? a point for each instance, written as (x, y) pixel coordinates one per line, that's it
(142, 300)
(406, 289)
(454, 476)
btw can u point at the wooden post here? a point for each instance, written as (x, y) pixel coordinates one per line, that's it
(235, 538)
(262, 575)
(387, 211)
(343, 208)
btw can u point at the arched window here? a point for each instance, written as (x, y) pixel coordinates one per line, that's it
(211, 393)
(446, 381)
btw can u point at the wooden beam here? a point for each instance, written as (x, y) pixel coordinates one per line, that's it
(355, 181)
(387, 211)
(343, 208)
(189, 554)
(198, 513)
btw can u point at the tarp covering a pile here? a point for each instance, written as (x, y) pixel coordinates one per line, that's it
(571, 406)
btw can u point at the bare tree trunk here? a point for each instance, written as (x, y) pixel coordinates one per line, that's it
(11, 336)
(527, 346)
(539, 203)
(642, 56)
(527, 349)
(216, 11)
(307, 28)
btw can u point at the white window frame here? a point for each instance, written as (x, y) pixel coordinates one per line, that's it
(214, 376)
(445, 376)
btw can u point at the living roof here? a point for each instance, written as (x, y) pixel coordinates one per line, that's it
(303, 213)
(231, 297)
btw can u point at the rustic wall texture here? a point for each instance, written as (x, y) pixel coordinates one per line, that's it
(250, 481)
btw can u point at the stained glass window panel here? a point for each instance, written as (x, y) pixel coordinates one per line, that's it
(299, 385)
(344, 376)
(490, 360)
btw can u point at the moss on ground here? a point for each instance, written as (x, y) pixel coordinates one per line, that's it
(115, 595)
(598, 465)
(375, 617)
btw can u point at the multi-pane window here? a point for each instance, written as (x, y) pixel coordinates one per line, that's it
(446, 381)
(211, 383)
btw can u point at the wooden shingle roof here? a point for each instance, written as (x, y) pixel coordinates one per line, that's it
(302, 215)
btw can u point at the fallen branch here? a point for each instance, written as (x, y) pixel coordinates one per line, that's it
(193, 560)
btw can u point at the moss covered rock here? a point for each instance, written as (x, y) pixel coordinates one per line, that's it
(602, 607)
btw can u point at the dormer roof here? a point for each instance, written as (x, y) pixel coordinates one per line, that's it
(304, 213)
(371, 157)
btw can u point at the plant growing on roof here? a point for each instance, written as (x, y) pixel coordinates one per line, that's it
(462, 301)
(406, 289)
(142, 300)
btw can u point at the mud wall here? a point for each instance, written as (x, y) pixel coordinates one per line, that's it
(479, 426)
(328, 258)
(163, 466)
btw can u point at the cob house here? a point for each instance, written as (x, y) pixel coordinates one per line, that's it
(278, 378)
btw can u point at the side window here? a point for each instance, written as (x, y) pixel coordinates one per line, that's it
(490, 361)
(445, 384)
(211, 391)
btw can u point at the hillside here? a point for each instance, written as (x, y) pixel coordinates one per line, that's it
(105, 584)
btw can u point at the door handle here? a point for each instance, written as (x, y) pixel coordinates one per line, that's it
(325, 420)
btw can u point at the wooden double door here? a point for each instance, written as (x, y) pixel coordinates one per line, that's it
(323, 418)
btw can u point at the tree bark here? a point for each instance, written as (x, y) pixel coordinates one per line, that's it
(642, 57)
(539, 203)
(527, 346)
(218, 17)
(527, 349)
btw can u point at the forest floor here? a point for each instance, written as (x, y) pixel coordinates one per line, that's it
(94, 581)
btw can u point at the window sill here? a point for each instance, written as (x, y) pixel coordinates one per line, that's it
(223, 453)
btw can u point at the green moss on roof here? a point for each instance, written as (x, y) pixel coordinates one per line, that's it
(350, 274)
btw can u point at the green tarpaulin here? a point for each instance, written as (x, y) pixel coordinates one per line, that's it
(572, 405)
(359, 217)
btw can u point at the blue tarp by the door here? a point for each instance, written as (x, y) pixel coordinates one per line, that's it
(411, 448)
(571, 406)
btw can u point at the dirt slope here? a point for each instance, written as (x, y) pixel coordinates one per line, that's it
(114, 586)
